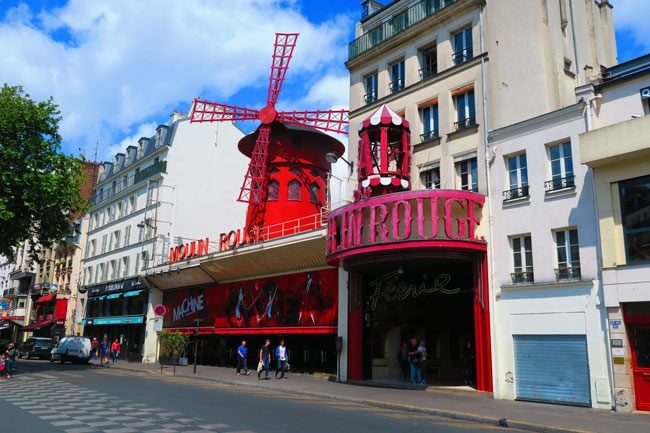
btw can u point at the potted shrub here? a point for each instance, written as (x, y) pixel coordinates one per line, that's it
(172, 347)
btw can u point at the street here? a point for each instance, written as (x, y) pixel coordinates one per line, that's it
(50, 397)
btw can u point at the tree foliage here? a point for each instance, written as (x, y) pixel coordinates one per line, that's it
(39, 185)
(173, 344)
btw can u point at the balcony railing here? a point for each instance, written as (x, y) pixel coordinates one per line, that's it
(429, 135)
(464, 123)
(160, 166)
(515, 193)
(397, 85)
(559, 183)
(522, 277)
(463, 55)
(428, 71)
(395, 25)
(566, 273)
(370, 97)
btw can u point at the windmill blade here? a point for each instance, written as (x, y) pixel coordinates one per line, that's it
(204, 111)
(326, 120)
(254, 188)
(282, 52)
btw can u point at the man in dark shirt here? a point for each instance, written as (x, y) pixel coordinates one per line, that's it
(265, 359)
(414, 361)
(10, 358)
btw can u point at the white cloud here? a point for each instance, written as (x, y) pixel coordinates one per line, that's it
(632, 16)
(112, 65)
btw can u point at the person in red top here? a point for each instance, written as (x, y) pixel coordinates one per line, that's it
(115, 351)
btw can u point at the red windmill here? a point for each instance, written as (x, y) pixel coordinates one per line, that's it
(272, 134)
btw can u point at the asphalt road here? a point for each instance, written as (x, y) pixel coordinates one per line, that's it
(53, 398)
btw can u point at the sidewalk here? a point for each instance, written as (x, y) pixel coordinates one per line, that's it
(534, 417)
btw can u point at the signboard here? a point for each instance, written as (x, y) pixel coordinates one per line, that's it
(432, 215)
(301, 300)
(118, 286)
(121, 320)
(159, 310)
(615, 324)
(645, 93)
(5, 304)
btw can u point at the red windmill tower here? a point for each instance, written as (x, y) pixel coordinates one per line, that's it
(286, 176)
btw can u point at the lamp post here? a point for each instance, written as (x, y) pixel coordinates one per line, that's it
(196, 341)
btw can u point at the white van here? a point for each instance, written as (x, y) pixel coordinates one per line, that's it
(73, 349)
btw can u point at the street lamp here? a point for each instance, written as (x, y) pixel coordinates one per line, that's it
(333, 158)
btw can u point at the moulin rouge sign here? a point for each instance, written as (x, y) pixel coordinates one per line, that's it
(227, 241)
(441, 215)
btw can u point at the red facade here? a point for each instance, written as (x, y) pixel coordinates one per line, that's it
(304, 302)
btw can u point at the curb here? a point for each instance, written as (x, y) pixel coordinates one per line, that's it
(461, 416)
(443, 413)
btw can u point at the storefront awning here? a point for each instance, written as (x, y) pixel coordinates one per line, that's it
(120, 320)
(277, 256)
(37, 325)
(46, 298)
(4, 326)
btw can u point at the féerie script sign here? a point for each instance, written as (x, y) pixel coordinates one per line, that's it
(390, 287)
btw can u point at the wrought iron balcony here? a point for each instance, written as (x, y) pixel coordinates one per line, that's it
(522, 277)
(463, 55)
(396, 85)
(515, 193)
(370, 97)
(464, 123)
(395, 25)
(567, 273)
(429, 135)
(559, 183)
(428, 71)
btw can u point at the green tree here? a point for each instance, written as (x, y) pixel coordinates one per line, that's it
(39, 185)
(173, 344)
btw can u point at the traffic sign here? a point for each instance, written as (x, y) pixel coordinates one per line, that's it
(160, 310)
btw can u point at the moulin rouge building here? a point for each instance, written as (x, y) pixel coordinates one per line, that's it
(414, 265)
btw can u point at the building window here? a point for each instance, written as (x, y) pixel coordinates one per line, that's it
(370, 82)
(517, 177)
(568, 255)
(522, 252)
(145, 260)
(397, 76)
(561, 167)
(429, 62)
(467, 172)
(465, 109)
(429, 118)
(132, 204)
(635, 214)
(430, 177)
(294, 190)
(127, 235)
(104, 240)
(93, 247)
(125, 266)
(314, 193)
(274, 190)
(462, 46)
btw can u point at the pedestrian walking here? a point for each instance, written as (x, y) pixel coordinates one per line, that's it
(105, 347)
(115, 351)
(242, 362)
(282, 356)
(94, 348)
(265, 359)
(10, 359)
(414, 362)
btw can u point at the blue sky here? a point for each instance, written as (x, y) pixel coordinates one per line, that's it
(118, 68)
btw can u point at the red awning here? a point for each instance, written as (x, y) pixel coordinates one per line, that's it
(46, 298)
(287, 330)
(37, 325)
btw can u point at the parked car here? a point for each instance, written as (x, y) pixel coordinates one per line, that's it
(35, 347)
(73, 349)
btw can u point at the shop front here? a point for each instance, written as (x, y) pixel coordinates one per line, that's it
(118, 310)
(299, 307)
(416, 270)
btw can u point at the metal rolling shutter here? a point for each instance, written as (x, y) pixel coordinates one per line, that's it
(552, 368)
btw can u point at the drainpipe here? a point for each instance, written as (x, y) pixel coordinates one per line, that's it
(575, 44)
(489, 202)
(599, 261)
